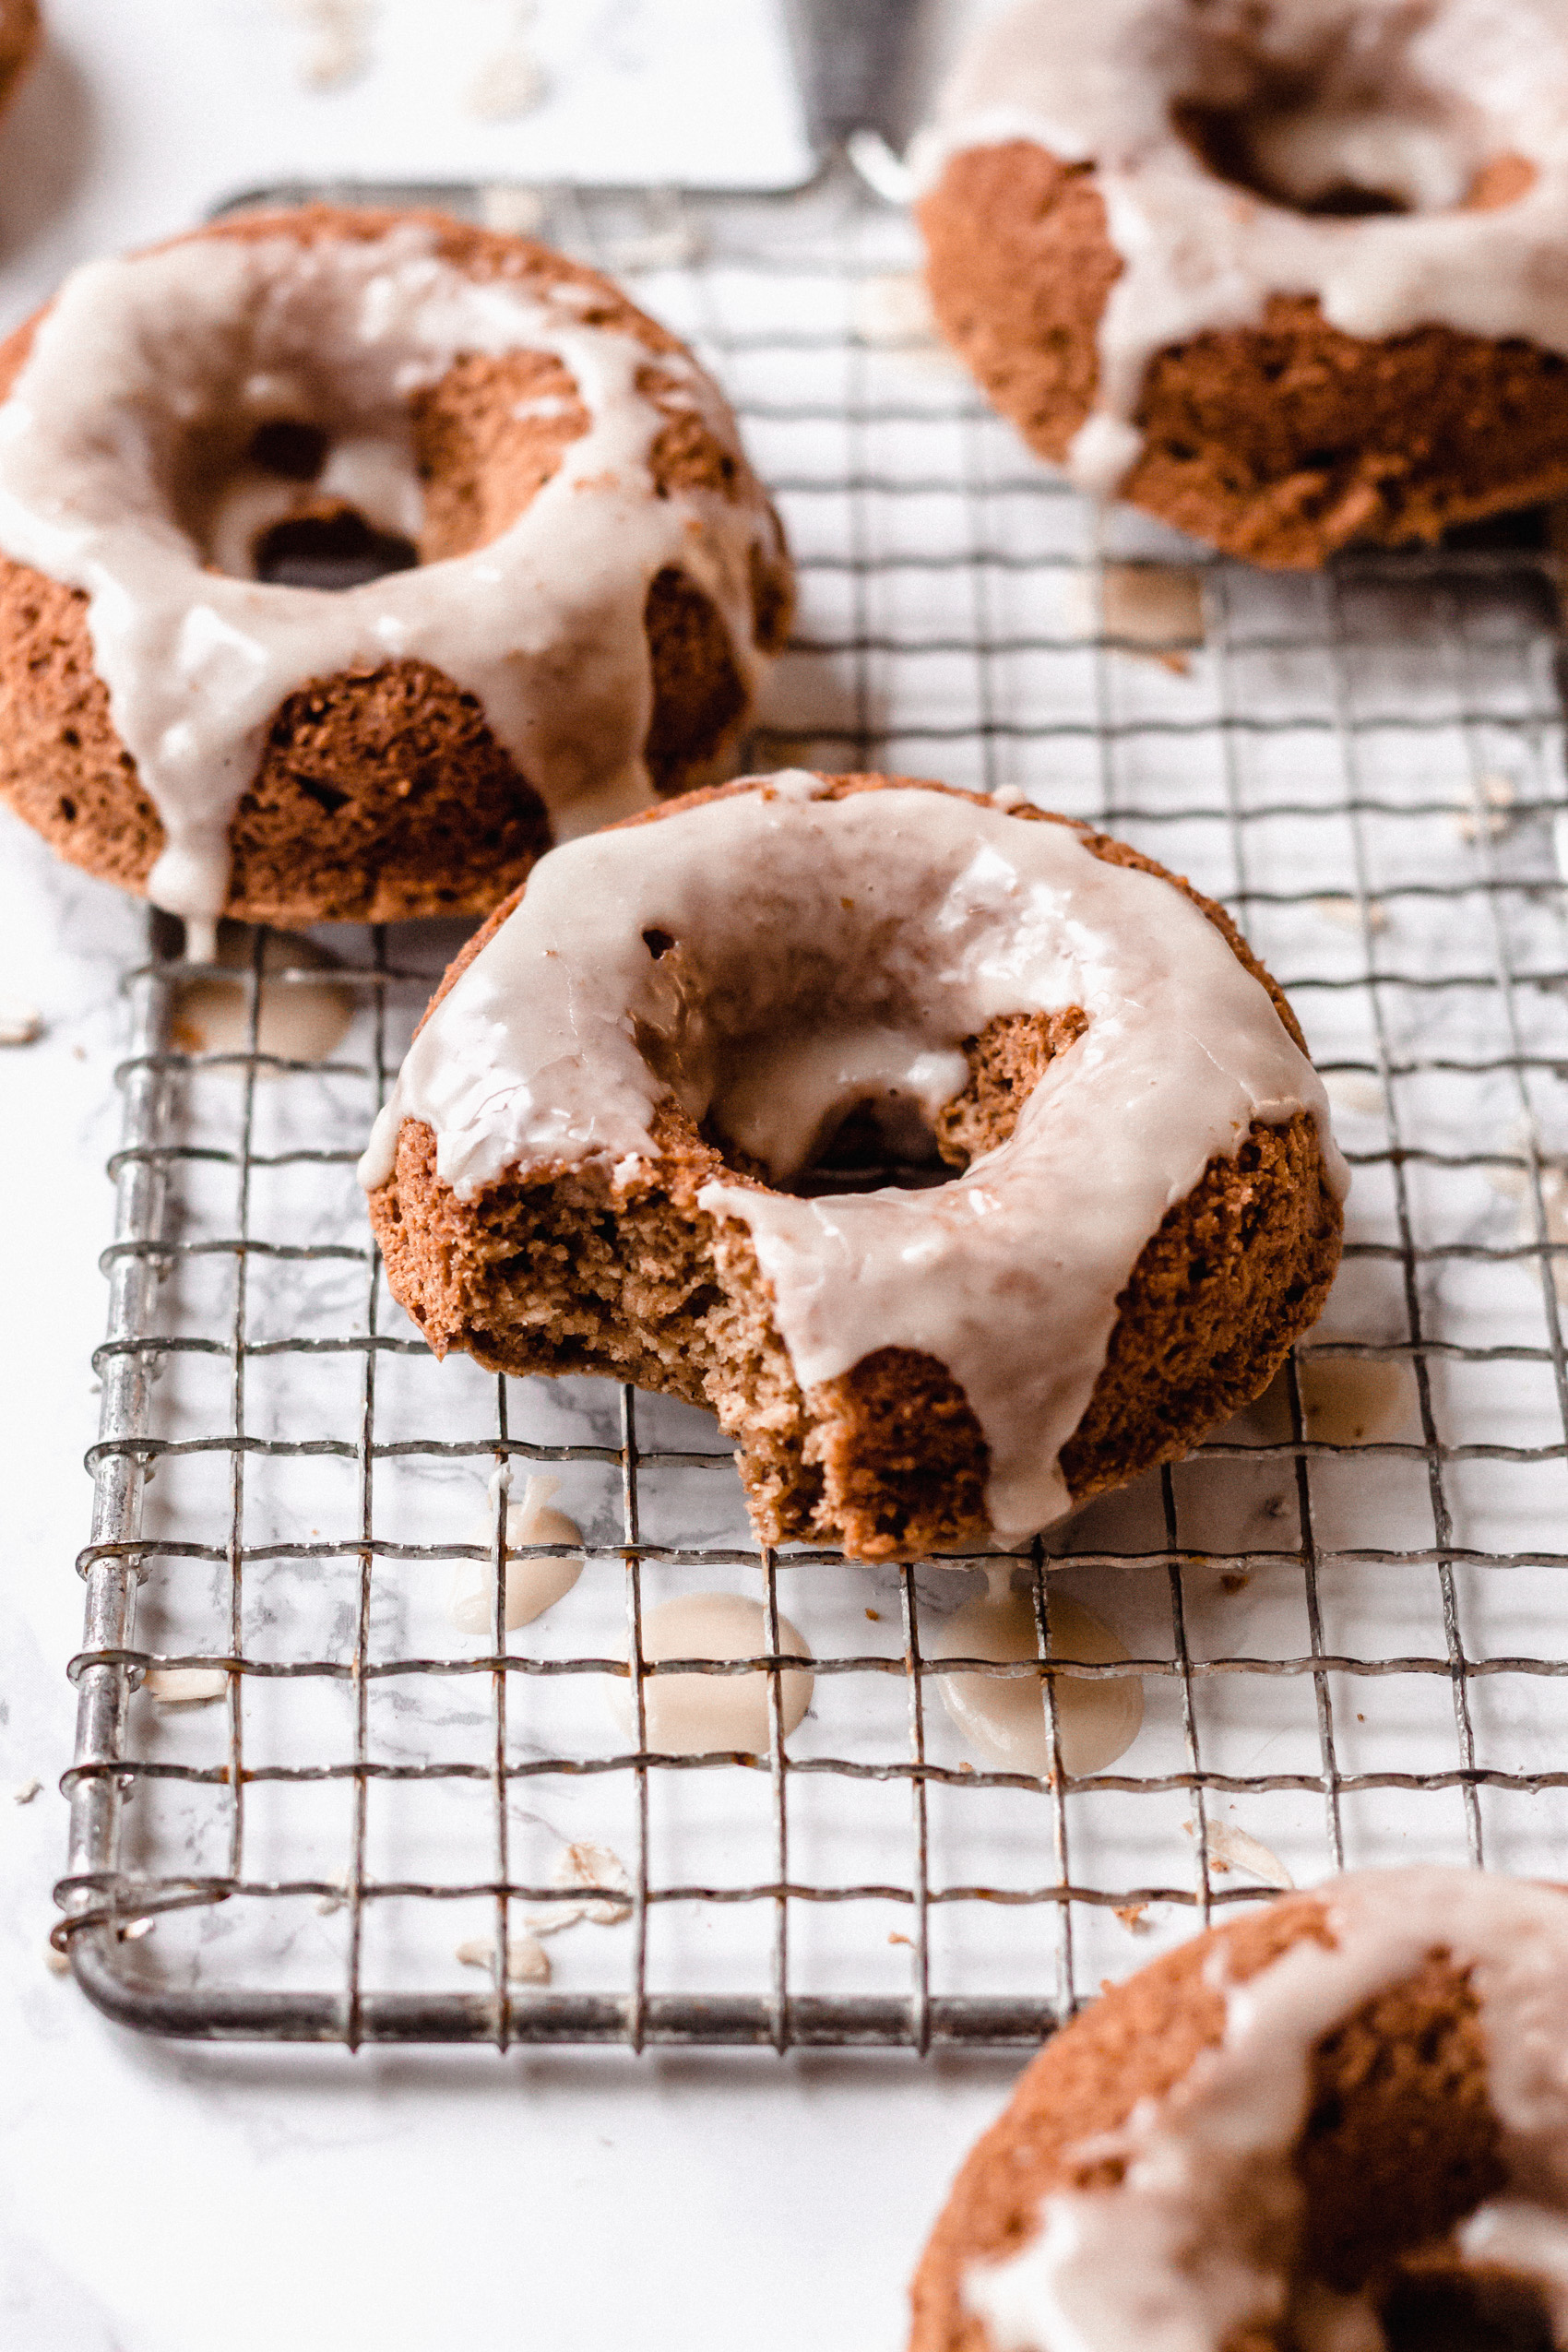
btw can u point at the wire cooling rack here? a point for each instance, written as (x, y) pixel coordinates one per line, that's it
(1345, 1609)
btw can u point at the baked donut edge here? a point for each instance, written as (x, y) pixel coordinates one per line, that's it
(547, 1274)
(382, 794)
(1280, 443)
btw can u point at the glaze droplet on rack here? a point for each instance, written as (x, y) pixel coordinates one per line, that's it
(1004, 1717)
(700, 1715)
(532, 1585)
(300, 1019)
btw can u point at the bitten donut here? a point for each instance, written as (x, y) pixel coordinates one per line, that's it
(566, 578)
(598, 1154)
(1286, 273)
(19, 32)
(1339, 2124)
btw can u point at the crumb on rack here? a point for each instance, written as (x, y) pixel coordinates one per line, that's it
(1489, 815)
(587, 1865)
(1348, 912)
(185, 1686)
(527, 1962)
(20, 1023)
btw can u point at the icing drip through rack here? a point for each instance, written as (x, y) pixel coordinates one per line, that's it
(1345, 1611)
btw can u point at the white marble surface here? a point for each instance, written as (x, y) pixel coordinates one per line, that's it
(160, 2198)
(155, 2199)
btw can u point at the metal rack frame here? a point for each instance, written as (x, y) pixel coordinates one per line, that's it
(831, 230)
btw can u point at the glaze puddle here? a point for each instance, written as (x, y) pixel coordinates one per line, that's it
(301, 1020)
(1346, 1400)
(1151, 609)
(532, 1585)
(1004, 1719)
(702, 1715)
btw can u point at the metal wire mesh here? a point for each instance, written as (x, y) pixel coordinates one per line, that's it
(1344, 1609)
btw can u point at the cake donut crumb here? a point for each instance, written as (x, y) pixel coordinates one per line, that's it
(21, 33)
(560, 583)
(1284, 273)
(1337, 2123)
(598, 1154)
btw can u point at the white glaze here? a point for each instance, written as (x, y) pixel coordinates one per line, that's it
(921, 916)
(1005, 1718)
(532, 1585)
(1517, 2236)
(300, 1020)
(1412, 101)
(218, 335)
(1168, 2260)
(701, 1715)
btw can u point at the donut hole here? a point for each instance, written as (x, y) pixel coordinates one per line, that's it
(294, 502)
(288, 446)
(1268, 153)
(1337, 121)
(866, 1139)
(1460, 2311)
(885, 1140)
(1347, 166)
(859, 1091)
(336, 549)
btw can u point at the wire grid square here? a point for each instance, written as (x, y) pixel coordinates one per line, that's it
(1343, 1608)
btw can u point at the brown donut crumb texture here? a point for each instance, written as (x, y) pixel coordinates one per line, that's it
(547, 1273)
(1282, 442)
(20, 31)
(1399, 2143)
(381, 792)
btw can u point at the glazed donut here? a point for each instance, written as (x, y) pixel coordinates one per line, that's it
(19, 32)
(1286, 273)
(1339, 2124)
(593, 1158)
(589, 578)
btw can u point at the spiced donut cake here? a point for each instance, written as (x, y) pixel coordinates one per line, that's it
(19, 33)
(564, 579)
(1338, 2124)
(599, 1152)
(1286, 273)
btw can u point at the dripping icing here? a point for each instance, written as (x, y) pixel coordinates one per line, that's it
(1168, 2259)
(544, 624)
(780, 915)
(1414, 102)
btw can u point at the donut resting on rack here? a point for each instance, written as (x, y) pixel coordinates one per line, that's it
(1336, 2125)
(624, 1142)
(350, 557)
(1287, 275)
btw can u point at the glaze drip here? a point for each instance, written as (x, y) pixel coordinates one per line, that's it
(912, 915)
(1170, 2259)
(139, 362)
(1447, 126)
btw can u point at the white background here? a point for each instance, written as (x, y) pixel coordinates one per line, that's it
(162, 2199)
